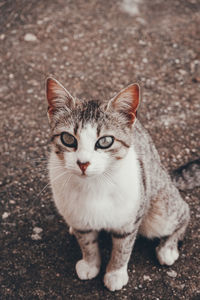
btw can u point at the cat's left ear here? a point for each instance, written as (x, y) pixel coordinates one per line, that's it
(127, 102)
(57, 96)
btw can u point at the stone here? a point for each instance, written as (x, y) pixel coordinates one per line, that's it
(172, 273)
(30, 37)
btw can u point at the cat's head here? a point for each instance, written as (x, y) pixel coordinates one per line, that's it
(91, 137)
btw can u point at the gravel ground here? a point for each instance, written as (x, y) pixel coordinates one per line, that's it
(94, 48)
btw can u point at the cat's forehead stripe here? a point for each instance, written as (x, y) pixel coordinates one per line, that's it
(90, 111)
(98, 130)
(76, 128)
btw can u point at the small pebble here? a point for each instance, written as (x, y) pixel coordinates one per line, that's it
(147, 277)
(172, 273)
(40, 22)
(37, 230)
(145, 60)
(65, 48)
(30, 37)
(36, 237)
(5, 215)
(182, 72)
(2, 37)
(141, 42)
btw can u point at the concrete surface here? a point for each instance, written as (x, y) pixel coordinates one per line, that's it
(94, 48)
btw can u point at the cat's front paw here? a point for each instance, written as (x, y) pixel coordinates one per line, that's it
(166, 255)
(115, 280)
(85, 270)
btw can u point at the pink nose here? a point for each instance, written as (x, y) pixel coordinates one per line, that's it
(83, 166)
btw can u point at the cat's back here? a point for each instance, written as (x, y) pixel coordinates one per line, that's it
(144, 146)
(154, 176)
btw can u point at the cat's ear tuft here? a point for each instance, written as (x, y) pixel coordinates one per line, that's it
(127, 102)
(57, 96)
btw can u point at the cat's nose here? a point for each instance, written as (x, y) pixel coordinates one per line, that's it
(83, 166)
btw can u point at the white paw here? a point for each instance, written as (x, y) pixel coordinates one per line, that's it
(115, 280)
(85, 270)
(166, 255)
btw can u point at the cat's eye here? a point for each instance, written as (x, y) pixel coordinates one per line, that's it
(68, 140)
(104, 142)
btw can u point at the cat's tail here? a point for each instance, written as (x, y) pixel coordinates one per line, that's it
(187, 176)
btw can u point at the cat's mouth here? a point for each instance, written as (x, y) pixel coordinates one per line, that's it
(82, 175)
(85, 176)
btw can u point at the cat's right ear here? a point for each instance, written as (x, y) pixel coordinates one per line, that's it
(126, 102)
(57, 96)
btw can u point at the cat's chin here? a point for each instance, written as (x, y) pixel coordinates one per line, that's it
(86, 176)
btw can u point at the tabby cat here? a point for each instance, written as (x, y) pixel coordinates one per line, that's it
(106, 174)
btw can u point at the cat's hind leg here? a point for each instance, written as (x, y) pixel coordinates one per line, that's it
(167, 251)
(168, 224)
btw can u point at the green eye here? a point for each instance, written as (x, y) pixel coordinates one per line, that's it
(68, 140)
(104, 142)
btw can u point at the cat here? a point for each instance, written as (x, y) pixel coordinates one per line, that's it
(105, 174)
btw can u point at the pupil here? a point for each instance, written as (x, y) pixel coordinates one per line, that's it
(69, 139)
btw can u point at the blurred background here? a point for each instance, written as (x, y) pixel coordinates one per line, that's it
(94, 48)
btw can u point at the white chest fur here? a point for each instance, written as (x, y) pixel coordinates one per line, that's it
(93, 203)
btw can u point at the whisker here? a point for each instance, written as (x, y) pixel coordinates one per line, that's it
(57, 177)
(108, 176)
(43, 189)
(65, 183)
